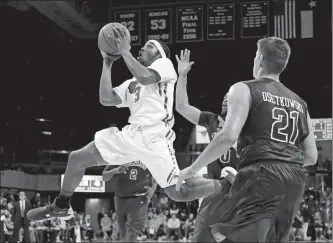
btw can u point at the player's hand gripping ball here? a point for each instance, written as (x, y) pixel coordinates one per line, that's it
(110, 36)
(108, 59)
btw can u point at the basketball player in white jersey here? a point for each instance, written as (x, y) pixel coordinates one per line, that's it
(149, 138)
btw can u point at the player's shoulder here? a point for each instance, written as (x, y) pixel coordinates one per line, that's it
(248, 81)
(239, 90)
(161, 62)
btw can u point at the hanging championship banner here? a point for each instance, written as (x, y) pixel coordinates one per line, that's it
(130, 19)
(221, 22)
(189, 24)
(159, 25)
(254, 20)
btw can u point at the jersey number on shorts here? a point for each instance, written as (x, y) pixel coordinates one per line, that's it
(225, 158)
(133, 174)
(284, 128)
(137, 94)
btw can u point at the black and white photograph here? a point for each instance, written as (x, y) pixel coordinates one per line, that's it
(166, 121)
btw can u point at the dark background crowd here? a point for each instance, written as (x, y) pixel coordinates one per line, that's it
(167, 220)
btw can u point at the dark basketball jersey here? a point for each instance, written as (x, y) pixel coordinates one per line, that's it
(276, 124)
(136, 182)
(212, 123)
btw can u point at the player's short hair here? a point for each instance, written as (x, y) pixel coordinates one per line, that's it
(276, 53)
(165, 48)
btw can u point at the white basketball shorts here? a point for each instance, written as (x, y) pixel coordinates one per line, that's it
(152, 145)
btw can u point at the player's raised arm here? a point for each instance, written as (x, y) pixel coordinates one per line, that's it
(191, 113)
(107, 96)
(309, 147)
(238, 108)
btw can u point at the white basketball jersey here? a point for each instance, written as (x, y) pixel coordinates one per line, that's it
(150, 104)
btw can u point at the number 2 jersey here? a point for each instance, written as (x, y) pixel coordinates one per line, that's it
(150, 104)
(276, 125)
(213, 123)
(136, 182)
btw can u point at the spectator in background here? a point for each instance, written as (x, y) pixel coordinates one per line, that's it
(32, 232)
(3, 202)
(328, 232)
(174, 209)
(167, 213)
(39, 233)
(164, 202)
(115, 231)
(100, 215)
(183, 215)
(173, 226)
(328, 211)
(327, 164)
(56, 230)
(86, 227)
(20, 219)
(154, 201)
(8, 226)
(319, 226)
(298, 226)
(152, 226)
(161, 221)
(36, 200)
(306, 215)
(106, 225)
(189, 226)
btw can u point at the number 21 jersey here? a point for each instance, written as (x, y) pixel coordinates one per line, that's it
(275, 126)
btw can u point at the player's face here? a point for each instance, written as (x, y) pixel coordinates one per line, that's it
(256, 65)
(148, 54)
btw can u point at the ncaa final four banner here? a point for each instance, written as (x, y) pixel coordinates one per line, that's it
(189, 24)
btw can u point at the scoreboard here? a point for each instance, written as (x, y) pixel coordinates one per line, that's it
(89, 183)
(322, 129)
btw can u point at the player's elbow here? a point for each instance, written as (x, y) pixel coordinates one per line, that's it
(180, 107)
(146, 80)
(104, 102)
(226, 137)
(110, 101)
(311, 157)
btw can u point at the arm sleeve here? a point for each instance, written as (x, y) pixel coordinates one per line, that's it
(165, 68)
(122, 91)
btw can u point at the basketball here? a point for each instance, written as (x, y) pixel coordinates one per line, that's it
(107, 44)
